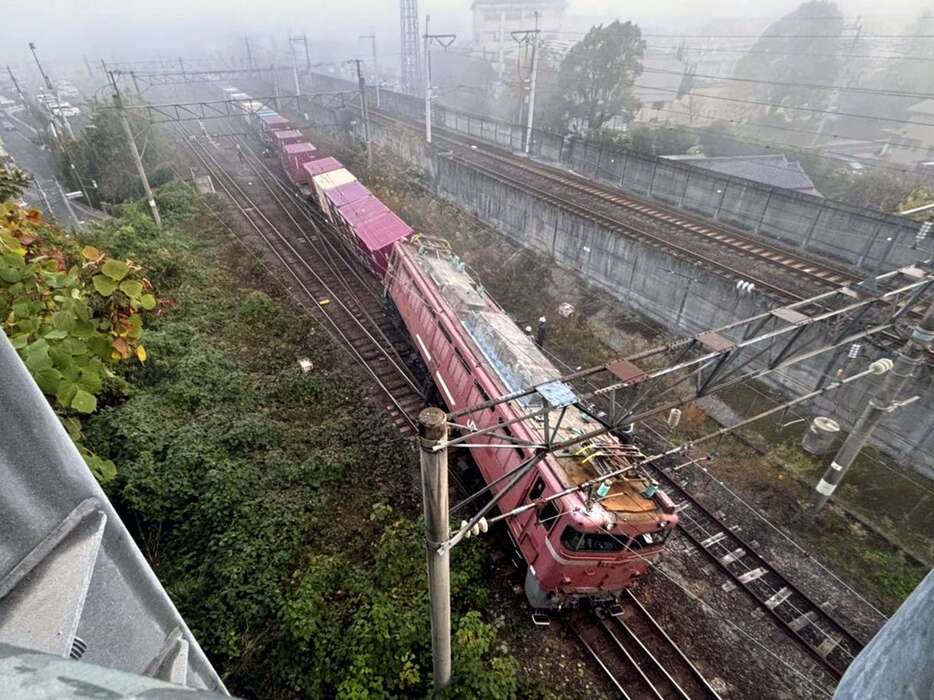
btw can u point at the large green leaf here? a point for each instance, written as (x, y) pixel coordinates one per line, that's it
(90, 379)
(48, 380)
(131, 288)
(66, 392)
(63, 320)
(147, 301)
(104, 285)
(115, 269)
(73, 346)
(23, 309)
(83, 402)
(10, 275)
(83, 329)
(38, 360)
(57, 334)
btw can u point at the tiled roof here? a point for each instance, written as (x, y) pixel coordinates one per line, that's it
(774, 170)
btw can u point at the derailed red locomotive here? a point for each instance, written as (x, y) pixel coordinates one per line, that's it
(577, 546)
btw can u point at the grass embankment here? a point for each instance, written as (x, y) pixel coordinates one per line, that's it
(279, 508)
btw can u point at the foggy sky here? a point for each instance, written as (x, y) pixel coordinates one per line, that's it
(129, 29)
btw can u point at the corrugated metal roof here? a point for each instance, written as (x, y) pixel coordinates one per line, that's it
(773, 169)
(283, 134)
(380, 232)
(322, 165)
(274, 119)
(363, 210)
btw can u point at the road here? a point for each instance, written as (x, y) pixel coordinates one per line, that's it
(45, 193)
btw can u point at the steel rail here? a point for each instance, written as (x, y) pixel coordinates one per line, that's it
(740, 243)
(831, 629)
(350, 266)
(206, 159)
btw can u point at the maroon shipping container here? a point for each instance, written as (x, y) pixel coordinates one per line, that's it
(346, 194)
(359, 212)
(284, 138)
(294, 156)
(377, 237)
(319, 166)
(274, 122)
(354, 214)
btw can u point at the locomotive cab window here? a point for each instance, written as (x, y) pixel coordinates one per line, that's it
(548, 514)
(650, 539)
(577, 541)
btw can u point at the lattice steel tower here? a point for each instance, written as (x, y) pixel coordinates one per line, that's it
(411, 65)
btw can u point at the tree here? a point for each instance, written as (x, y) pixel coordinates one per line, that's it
(783, 56)
(596, 77)
(13, 182)
(101, 154)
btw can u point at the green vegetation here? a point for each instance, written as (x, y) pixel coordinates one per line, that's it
(596, 77)
(280, 511)
(71, 313)
(102, 156)
(783, 56)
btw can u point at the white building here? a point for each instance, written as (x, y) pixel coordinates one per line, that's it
(493, 20)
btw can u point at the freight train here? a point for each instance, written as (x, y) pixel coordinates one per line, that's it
(584, 545)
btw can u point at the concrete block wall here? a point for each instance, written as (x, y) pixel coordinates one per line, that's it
(860, 238)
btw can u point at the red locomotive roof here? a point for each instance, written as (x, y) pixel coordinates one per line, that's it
(322, 165)
(346, 194)
(381, 231)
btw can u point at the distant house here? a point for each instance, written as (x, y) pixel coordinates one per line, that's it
(913, 142)
(773, 170)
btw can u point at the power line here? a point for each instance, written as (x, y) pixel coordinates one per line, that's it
(703, 49)
(807, 86)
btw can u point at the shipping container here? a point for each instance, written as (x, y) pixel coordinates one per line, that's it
(328, 181)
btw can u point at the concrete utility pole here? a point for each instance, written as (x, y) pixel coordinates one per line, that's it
(249, 52)
(19, 90)
(433, 432)
(139, 93)
(372, 38)
(51, 88)
(909, 358)
(530, 37)
(150, 199)
(364, 113)
(443, 40)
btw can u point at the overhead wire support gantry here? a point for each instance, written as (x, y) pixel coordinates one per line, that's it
(636, 387)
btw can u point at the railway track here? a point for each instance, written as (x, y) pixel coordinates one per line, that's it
(732, 254)
(812, 626)
(826, 639)
(326, 277)
(636, 653)
(816, 630)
